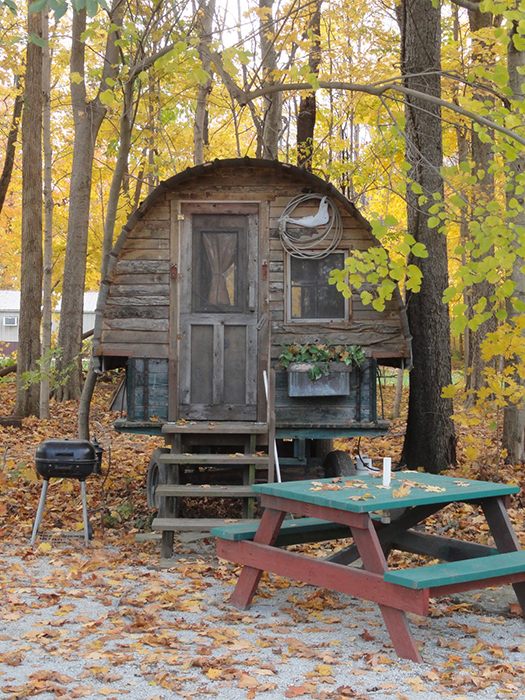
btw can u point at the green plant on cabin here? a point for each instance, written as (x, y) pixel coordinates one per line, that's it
(319, 355)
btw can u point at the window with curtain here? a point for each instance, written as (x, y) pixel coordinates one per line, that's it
(219, 259)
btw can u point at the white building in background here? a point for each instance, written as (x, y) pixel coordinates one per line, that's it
(10, 317)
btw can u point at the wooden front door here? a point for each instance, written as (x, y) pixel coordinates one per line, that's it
(218, 317)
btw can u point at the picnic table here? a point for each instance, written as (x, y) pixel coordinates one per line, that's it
(363, 509)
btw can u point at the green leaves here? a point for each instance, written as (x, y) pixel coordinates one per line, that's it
(59, 7)
(319, 355)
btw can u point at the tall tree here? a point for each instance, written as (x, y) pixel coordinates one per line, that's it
(87, 119)
(9, 158)
(429, 414)
(482, 159)
(514, 414)
(273, 104)
(200, 129)
(28, 396)
(306, 115)
(47, 306)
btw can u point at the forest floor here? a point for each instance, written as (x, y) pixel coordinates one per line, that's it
(106, 622)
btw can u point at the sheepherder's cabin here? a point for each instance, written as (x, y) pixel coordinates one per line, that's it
(220, 267)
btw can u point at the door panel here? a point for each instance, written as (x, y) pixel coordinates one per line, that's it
(218, 352)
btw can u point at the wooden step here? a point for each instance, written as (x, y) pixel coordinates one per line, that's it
(213, 460)
(222, 428)
(205, 491)
(192, 524)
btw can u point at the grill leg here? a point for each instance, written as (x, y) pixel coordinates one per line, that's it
(40, 511)
(85, 513)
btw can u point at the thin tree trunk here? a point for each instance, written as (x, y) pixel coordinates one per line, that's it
(482, 158)
(399, 392)
(47, 311)
(200, 130)
(273, 103)
(429, 440)
(87, 119)
(513, 438)
(308, 107)
(27, 397)
(7, 171)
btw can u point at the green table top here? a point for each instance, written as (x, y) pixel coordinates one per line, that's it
(366, 493)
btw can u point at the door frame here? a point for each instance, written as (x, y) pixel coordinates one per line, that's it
(180, 303)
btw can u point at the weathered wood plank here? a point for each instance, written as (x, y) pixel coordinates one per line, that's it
(150, 229)
(150, 278)
(142, 290)
(146, 244)
(176, 223)
(137, 349)
(136, 324)
(160, 212)
(124, 267)
(240, 207)
(146, 311)
(134, 337)
(147, 254)
(137, 301)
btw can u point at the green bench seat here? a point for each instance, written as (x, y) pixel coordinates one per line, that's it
(455, 572)
(293, 531)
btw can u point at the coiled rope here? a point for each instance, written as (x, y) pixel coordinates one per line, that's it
(323, 239)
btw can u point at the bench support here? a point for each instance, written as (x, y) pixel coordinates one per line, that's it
(504, 536)
(395, 620)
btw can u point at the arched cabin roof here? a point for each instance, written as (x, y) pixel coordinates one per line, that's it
(312, 183)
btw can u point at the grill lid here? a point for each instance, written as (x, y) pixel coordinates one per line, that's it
(65, 458)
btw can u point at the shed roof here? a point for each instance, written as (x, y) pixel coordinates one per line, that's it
(309, 178)
(9, 300)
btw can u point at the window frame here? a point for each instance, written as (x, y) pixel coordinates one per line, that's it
(288, 296)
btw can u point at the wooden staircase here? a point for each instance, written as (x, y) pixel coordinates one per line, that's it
(209, 444)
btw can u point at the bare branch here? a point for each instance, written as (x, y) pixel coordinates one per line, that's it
(467, 4)
(377, 91)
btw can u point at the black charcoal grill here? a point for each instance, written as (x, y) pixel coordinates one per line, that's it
(66, 459)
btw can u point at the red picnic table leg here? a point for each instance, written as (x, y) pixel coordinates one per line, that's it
(504, 536)
(249, 579)
(395, 620)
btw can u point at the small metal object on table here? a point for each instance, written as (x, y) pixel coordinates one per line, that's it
(357, 502)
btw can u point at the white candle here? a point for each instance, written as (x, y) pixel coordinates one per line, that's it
(387, 470)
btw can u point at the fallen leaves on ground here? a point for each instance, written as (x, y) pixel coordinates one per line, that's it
(167, 627)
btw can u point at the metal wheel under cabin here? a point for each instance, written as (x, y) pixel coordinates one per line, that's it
(220, 272)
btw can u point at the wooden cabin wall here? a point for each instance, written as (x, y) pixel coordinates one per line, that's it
(380, 334)
(136, 319)
(136, 314)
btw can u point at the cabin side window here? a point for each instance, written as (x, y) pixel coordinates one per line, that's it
(309, 296)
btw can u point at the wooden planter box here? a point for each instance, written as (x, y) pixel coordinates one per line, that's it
(335, 383)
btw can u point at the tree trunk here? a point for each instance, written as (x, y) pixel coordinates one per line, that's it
(307, 107)
(27, 397)
(87, 119)
(7, 171)
(429, 440)
(513, 439)
(482, 159)
(47, 311)
(273, 103)
(200, 129)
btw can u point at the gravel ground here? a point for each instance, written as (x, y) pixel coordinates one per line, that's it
(105, 622)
